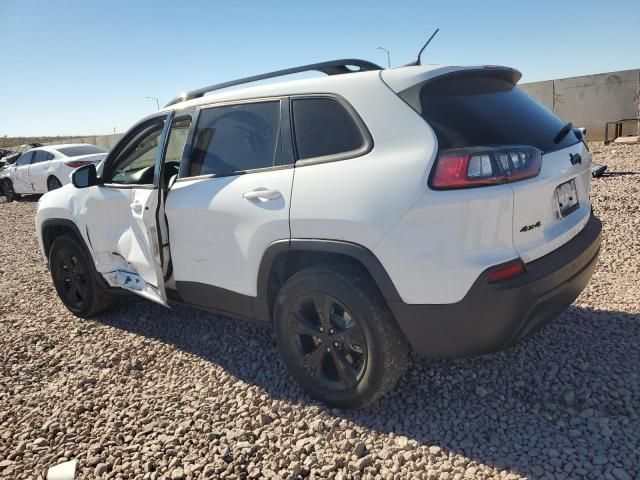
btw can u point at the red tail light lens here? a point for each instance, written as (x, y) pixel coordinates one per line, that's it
(506, 271)
(73, 164)
(481, 166)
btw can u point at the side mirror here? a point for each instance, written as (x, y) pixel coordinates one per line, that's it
(84, 177)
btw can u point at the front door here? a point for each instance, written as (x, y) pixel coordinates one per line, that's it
(230, 203)
(121, 215)
(20, 174)
(38, 171)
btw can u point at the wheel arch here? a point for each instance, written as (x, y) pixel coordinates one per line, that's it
(285, 257)
(53, 228)
(50, 175)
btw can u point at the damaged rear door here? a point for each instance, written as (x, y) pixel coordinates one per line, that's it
(121, 214)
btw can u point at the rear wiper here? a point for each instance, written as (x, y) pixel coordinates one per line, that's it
(564, 131)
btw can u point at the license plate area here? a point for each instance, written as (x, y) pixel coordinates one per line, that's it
(567, 197)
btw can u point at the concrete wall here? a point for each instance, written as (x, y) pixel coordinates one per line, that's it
(104, 141)
(587, 101)
(592, 100)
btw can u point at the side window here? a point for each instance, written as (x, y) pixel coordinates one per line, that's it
(323, 127)
(235, 138)
(177, 139)
(175, 147)
(49, 156)
(25, 159)
(136, 162)
(40, 156)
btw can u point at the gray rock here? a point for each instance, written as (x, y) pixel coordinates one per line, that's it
(101, 469)
(599, 460)
(360, 450)
(620, 474)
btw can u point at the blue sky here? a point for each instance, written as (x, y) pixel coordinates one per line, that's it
(85, 67)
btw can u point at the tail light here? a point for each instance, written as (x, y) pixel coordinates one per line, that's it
(481, 166)
(506, 270)
(78, 164)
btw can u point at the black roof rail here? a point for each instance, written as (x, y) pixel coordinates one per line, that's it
(333, 67)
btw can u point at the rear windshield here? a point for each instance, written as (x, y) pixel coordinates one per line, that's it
(480, 109)
(81, 150)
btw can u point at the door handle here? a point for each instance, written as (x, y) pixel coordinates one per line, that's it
(262, 195)
(136, 207)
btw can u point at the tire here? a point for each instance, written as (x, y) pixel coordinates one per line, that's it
(349, 354)
(76, 280)
(53, 183)
(9, 192)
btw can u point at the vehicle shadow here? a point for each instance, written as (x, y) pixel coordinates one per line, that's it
(22, 199)
(572, 391)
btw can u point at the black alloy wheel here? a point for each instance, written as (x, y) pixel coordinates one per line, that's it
(9, 192)
(330, 343)
(75, 278)
(71, 278)
(337, 337)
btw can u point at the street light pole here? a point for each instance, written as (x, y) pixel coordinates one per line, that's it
(156, 100)
(388, 56)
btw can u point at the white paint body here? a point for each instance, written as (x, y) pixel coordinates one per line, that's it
(32, 177)
(433, 244)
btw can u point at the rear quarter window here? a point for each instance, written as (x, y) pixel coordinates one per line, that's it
(322, 127)
(483, 109)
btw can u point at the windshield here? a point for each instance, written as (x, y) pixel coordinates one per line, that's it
(80, 150)
(483, 109)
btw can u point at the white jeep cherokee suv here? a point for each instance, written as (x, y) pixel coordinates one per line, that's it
(364, 214)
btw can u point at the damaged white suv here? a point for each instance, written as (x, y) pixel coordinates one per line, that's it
(365, 214)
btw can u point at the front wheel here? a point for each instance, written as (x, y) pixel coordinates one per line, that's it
(9, 192)
(53, 183)
(337, 337)
(75, 279)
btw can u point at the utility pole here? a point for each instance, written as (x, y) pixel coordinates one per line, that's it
(156, 100)
(388, 56)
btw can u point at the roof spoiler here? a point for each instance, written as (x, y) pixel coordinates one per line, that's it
(333, 67)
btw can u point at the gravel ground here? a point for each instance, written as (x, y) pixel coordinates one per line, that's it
(145, 392)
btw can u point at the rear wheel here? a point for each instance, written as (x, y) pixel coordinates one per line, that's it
(337, 337)
(53, 183)
(76, 279)
(9, 192)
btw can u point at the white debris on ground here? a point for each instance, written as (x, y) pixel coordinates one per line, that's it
(145, 392)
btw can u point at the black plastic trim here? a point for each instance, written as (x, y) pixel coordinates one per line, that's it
(215, 298)
(496, 316)
(332, 67)
(62, 222)
(366, 257)
(225, 301)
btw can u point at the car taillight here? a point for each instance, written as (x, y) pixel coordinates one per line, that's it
(72, 164)
(481, 166)
(506, 270)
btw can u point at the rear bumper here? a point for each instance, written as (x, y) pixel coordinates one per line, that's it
(496, 316)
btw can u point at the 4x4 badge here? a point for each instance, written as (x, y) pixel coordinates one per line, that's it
(526, 228)
(575, 159)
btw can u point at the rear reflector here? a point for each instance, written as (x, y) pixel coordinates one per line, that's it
(481, 166)
(506, 271)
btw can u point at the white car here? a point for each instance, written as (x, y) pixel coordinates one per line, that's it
(437, 209)
(43, 169)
